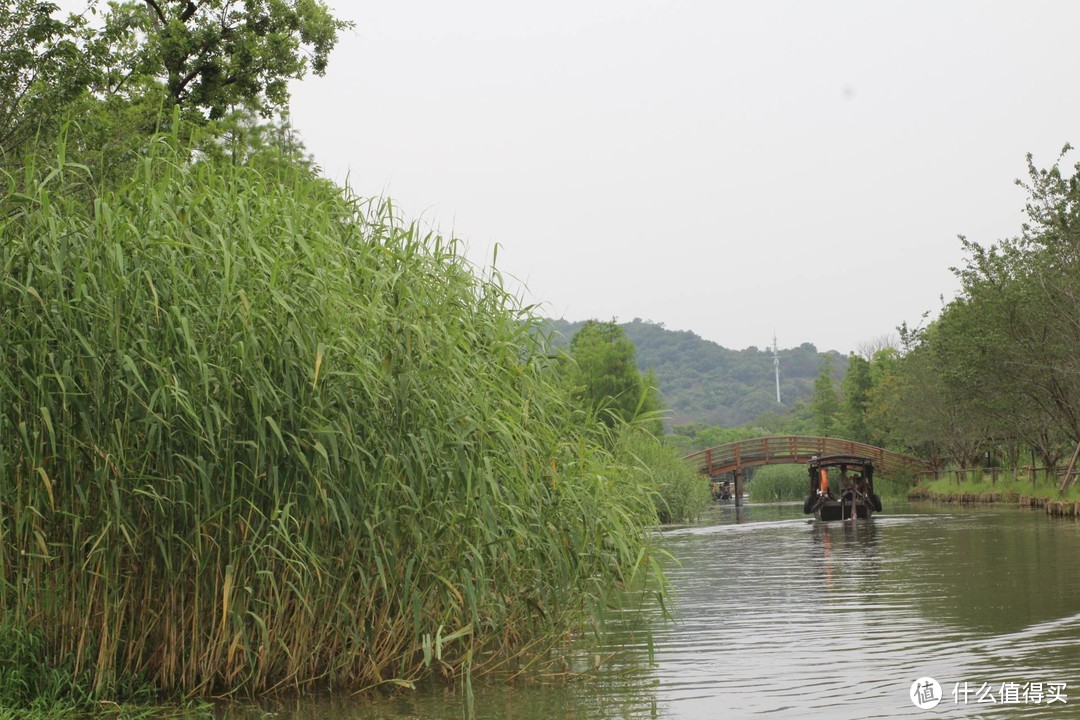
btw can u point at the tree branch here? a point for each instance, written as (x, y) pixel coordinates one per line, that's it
(123, 80)
(180, 87)
(197, 70)
(190, 10)
(152, 4)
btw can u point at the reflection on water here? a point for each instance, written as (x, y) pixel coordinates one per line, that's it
(783, 616)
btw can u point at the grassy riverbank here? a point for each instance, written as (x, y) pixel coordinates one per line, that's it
(257, 435)
(1003, 484)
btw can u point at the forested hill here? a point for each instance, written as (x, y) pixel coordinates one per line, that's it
(704, 382)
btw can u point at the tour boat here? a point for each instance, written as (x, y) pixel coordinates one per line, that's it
(721, 489)
(853, 480)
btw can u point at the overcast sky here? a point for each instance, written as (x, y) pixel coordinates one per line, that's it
(722, 167)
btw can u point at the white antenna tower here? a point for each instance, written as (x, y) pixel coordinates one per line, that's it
(776, 366)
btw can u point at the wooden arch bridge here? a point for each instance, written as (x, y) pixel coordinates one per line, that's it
(736, 457)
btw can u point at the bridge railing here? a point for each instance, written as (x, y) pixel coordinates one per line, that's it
(792, 449)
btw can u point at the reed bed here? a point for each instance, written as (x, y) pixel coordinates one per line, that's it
(790, 482)
(258, 434)
(679, 492)
(778, 482)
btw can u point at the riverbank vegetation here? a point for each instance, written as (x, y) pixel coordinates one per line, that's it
(982, 482)
(679, 493)
(260, 435)
(602, 376)
(705, 384)
(995, 377)
(257, 433)
(790, 482)
(992, 383)
(778, 482)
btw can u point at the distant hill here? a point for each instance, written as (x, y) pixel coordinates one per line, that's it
(704, 382)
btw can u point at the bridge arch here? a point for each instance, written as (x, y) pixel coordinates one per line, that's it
(734, 457)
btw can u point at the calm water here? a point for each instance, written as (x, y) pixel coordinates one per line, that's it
(783, 617)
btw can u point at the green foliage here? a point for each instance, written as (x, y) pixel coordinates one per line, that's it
(42, 68)
(679, 492)
(213, 59)
(796, 420)
(825, 403)
(701, 381)
(254, 434)
(32, 684)
(607, 379)
(26, 679)
(895, 486)
(691, 437)
(883, 399)
(217, 55)
(778, 482)
(855, 390)
(998, 369)
(1041, 484)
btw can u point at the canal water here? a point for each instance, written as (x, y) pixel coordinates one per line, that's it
(779, 616)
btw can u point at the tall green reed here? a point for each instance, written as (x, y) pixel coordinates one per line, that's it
(778, 482)
(256, 433)
(680, 494)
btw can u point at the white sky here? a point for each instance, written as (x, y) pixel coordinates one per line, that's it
(727, 168)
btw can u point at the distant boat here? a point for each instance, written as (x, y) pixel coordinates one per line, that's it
(853, 481)
(721, 489)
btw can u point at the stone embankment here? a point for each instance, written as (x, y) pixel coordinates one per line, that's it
(1056, 508)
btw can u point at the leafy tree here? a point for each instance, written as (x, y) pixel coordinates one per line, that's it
(998, 369)
(218, 55)
(1010, 338)
(825, 402)
(935, 418)
(883, 363)
(702, 381)
(608, 379)
(856, 392)
(883, 399)
(692, 437)
(796, 420)
(43, 68)
(210, 59)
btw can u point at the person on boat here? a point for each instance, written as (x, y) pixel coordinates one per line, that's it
(846, 485)
(861, 486)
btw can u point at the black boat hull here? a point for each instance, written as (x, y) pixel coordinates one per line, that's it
(837, 510)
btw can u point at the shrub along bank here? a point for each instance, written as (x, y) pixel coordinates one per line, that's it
(255, 435)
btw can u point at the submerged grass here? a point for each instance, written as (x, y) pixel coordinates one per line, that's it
(257, 435)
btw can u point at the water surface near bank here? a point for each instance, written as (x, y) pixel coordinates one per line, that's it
(782, 616)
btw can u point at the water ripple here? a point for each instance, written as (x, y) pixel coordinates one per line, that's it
(792, 618)
(781, 617)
